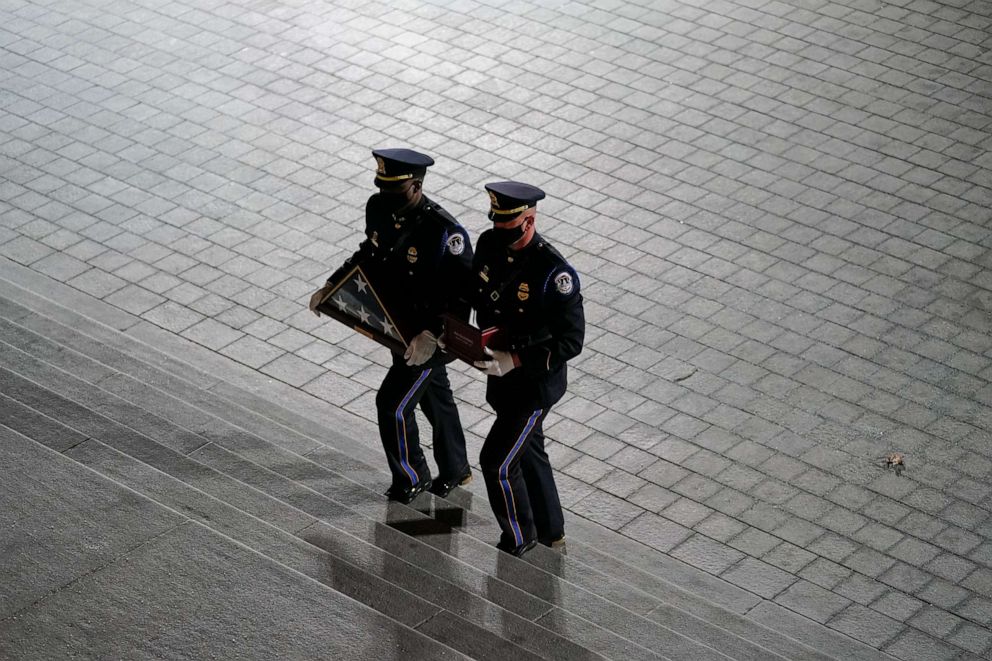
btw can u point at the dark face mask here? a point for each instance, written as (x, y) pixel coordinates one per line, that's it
(392, 203)
(508, 236)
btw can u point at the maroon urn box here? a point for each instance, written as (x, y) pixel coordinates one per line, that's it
(465, 341)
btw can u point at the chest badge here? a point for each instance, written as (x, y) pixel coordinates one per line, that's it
(411, 254)
(523, 291)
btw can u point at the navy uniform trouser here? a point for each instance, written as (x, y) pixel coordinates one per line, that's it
(401, 390)
(519, 479)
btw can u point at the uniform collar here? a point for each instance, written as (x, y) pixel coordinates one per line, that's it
(529, 248)
(414, 212)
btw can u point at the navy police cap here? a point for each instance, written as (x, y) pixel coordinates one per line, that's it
(509, 198)
(394, 166)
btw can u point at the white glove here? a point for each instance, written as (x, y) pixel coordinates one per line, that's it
(441, 344)
(502, 362)
(421, 348)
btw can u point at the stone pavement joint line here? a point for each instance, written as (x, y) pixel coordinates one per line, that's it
(779, 212)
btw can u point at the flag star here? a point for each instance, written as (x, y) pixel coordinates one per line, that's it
(387, 328)
(361, 284)
(363, 314)
(341, 303)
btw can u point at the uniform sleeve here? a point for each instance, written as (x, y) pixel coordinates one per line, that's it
(454, 269)
(566, 324)
(365, 249)
(456, 261)
(468, 287)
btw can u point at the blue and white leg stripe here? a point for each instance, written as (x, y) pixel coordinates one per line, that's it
(404, 448)
(504, 482)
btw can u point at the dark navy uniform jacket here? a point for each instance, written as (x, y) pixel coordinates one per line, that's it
(416, 261)
(532, 295)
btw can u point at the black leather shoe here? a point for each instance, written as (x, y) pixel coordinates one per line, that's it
(407, 494)
(517, 550)
(442, 488)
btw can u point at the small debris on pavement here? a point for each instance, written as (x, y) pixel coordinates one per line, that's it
(896, 462)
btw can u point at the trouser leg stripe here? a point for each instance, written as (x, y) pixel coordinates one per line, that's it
(404, 447)
(504, 482)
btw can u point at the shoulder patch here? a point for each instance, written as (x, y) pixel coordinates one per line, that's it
(456, 244)
(564, 283)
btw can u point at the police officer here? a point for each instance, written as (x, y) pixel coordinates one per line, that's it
(525, 288)
(422, 252)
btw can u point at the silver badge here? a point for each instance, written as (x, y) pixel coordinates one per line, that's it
(563, 283)
(456, 245)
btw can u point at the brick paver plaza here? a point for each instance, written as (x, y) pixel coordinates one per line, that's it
(780, 213)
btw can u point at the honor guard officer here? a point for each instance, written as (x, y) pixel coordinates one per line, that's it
(524, 287)
(422, 252)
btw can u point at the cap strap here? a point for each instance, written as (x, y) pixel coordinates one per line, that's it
(507, 212)
(399, 177)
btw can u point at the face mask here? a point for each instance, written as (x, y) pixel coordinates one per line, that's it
(508, 236)
(392, 203)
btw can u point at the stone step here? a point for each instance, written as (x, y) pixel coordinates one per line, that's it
(246, 414)
(244, 390)
(647, 569)
(352, 556)
(660, 612)
(277, 423)
(92, 567)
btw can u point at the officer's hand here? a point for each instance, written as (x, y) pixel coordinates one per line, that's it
(501, 364)
(442, 344)
(317, 297)
(421, 348)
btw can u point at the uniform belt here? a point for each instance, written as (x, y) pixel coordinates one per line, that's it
(524, 341)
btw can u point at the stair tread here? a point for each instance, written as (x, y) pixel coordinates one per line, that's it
(265, 506)
(310, 553)
(163, 585)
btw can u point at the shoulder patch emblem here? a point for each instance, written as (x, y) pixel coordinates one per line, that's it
(563, 283)
(456, 244)
(411, 254)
